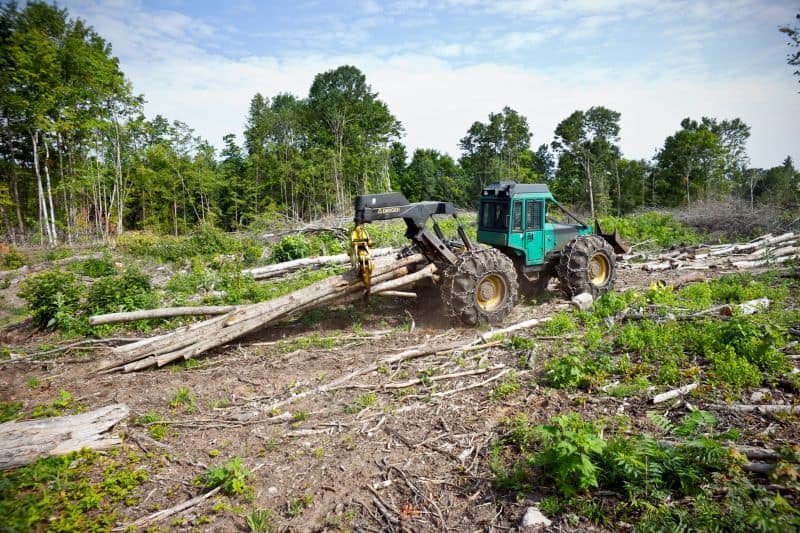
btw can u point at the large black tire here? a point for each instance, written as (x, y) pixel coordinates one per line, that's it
(481, 287)
(587, 264)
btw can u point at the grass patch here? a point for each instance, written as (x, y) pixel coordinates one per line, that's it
(61, 493)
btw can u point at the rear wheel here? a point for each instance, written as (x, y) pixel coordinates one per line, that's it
(481, 287)
(587, 264)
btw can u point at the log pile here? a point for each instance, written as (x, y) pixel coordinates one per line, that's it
(389, 274)
(764, 251)
(280, 269)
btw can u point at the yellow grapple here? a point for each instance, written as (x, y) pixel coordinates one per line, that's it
(359, 253)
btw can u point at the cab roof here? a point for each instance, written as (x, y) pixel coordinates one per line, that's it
(502, 189)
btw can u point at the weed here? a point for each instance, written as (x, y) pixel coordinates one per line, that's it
(9, 411)
(505, 389)
(96, 267)
(364, 401)
(231, 476)
(65, 403)
(11, 260)
(33, 382)
(296, 506)
(300, 416)
(567, 446)
(261, 520)
(561, 324)
(183, 398)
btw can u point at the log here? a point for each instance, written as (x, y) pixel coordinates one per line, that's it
(185, 343)
(764, 409)
(167, 312)
(763, 262)
(24, 442)
(664, 396)
(397, 294)
(279, 269)
(510, 329)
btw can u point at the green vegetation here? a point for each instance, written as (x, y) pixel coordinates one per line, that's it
(53, 298)
(62, 493)
(63, 405)
(261, 521)
(183, 398)
(657, 230)
(364, 401)
(232, 476)
(576, 456)
(11, 260)
(9, 411)
(296, 506)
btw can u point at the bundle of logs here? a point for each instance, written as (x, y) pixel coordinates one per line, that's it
(389, 273)
(764, 251)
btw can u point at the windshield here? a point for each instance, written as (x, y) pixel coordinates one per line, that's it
(494, 216)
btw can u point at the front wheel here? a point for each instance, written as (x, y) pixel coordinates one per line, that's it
(587, 264)
(481, 287)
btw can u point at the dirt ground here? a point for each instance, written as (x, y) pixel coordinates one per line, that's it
(371, 455)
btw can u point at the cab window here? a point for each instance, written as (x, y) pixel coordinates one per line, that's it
(517, 216)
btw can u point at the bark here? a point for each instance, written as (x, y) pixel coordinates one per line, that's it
(664, 396)
(24, 442)
(44, 223)
(50, 191)
(280, 269)
(132, 316)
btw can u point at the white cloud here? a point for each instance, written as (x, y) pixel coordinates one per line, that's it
(435, 99)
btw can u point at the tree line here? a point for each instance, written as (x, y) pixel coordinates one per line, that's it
(80, 159)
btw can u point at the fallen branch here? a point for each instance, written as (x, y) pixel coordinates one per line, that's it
(166, 513)
(410, 382)
(24, 442)
(764, 409)
(664, 396)
(167, 312)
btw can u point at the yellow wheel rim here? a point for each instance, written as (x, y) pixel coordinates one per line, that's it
(491, 292)
(599, 270)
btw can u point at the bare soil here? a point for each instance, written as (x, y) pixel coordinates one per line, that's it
(405, 459)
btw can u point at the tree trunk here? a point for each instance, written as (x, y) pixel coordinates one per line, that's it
(118, 177)
(588, 170)
(49, 190)
(44, 223)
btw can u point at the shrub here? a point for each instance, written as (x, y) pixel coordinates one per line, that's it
(11, 260)
(125, 292)
(53, 297)
(661, 229)
(291, 247)
(96, 267)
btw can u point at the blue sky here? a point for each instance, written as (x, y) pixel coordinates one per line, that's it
(441, 65)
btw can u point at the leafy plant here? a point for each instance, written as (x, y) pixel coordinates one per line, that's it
(289, 248)
(125, 292)
(9, 411)
(11, 260)
(362, 402)
(183, 398)
(58, 407)
(53, 298)
(232, 476)
(568, 445)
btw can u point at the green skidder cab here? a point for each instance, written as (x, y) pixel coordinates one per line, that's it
(529, 238)
(527, 224)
